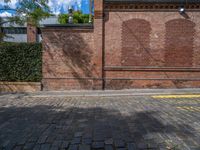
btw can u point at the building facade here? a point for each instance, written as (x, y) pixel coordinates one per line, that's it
(25, 33)
(132, 44)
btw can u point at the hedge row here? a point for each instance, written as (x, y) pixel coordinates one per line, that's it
(20, 62)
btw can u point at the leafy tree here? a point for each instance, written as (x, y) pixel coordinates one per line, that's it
(31, 11)
(28, 11)
(63, 18)
(78, 17)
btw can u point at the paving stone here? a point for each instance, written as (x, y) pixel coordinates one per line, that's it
(73, 147)
(57, 144)
(36, 147)
(50, 139)
(142, 146)
(84, 147)
(121, 149)
(119, 143)
(109, 141)
(130, 121)
(78, 134)
(97, 145)
(17, 148)
(195, 148)
(76, 141)
(54, 148)
(45, 146)
(65, 144)
(29, 146)
(109, 147)
(87, 141)
(131, 146)
(33, 139)
(22, 141)
(42, 139)
(97, 138)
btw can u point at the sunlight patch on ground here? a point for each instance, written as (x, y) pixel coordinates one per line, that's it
(175, 96)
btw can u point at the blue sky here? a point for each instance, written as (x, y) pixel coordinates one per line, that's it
(57, 6)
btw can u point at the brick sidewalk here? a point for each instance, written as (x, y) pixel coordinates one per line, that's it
(84, 123)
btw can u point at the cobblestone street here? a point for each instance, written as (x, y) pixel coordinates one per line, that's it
(84, 123)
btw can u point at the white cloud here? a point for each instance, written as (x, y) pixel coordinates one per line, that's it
(12, 3)
(57, 5)
(5, 14)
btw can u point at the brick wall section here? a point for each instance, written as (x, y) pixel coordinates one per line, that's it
(126, 49)
(72, 57)
(152, 49)
(98, 38)
(179, 41)
(69, 59)
(135, 33)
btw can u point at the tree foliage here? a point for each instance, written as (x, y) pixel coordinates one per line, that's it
(28, 11)
(78, 17)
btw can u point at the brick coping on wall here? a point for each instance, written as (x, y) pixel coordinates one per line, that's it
(153, 1)
(80, 26)
(64, 27)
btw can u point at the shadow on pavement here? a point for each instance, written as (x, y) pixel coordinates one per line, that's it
(48, 127)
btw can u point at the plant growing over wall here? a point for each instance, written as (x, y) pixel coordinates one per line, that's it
(78, 17)
(20, 62)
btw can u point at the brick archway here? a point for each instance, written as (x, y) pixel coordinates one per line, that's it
(179, 43)
(135, 42)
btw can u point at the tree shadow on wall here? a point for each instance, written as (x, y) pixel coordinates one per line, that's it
(77, 55)
(29, 126)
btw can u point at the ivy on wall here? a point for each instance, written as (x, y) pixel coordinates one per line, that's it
(20, 62)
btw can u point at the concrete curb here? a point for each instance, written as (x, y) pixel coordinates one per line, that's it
(108, 93)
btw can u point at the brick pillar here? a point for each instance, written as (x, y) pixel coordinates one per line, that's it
(98, 37)
(31, 33)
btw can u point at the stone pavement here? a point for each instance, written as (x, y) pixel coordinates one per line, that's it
(99, 122)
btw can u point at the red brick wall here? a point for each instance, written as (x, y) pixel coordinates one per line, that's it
(72, 57)
(135, 43)
(126, 49)
(179, 41)
(145, 49)
(69, 59)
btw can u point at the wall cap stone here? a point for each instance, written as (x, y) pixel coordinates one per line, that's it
(82, 26)
(20, 83)
(20, 87)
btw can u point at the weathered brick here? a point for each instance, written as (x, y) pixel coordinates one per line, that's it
(139, 49)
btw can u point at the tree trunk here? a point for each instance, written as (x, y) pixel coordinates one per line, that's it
(31, 33)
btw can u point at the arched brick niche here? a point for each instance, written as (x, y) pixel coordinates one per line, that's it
(135, 42)
(179, 43)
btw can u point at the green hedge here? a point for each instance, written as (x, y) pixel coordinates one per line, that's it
(20, 62)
